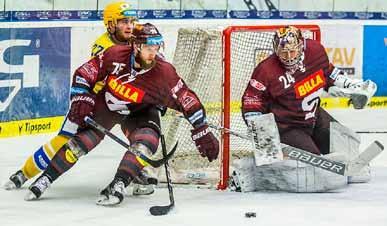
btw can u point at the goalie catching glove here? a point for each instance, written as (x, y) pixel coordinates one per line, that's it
(82, 105)
(359, 91)
(206, 142)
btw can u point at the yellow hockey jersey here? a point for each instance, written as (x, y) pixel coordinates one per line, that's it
(101, 44)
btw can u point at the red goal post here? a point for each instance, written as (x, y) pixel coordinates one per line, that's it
(217, 65)
(227, 44)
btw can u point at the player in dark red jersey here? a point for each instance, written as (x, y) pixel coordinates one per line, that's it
(119, 19)
(290, 82)
(136, 80)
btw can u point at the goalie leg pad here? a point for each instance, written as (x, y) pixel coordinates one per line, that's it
(288, 175)
(243, 177)
(345, 141)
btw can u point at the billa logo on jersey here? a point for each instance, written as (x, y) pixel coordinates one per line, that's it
(126, 91)
(310, 84)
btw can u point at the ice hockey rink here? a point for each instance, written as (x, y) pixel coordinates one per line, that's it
(71, 200)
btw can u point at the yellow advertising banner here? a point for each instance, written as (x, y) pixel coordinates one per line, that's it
(30, 126)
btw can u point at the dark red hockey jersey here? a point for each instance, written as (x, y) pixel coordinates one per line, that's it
(112, 76)
(292, 98)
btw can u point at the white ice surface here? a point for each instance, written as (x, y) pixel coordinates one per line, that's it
(70, 201)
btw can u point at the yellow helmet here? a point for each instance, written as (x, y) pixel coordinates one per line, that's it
(117, 11)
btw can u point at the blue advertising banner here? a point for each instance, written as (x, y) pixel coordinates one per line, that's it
(90, 15)
(34, 72)
(54, 15)
(375, 56)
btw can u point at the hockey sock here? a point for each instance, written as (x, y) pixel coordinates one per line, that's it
(129, 167)
(42, 157)
(62, 161)
(69, 154)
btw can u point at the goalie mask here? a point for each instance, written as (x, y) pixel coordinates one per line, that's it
(147, 39)
(288, 46)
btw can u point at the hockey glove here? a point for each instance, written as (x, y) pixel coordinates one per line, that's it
(206, 142)
(82, 105)
(360, 92)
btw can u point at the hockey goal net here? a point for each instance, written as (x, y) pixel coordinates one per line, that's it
(217, 65)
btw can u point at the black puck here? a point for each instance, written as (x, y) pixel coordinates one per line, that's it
(250, 214)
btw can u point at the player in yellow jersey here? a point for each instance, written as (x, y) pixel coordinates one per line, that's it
(119, 21)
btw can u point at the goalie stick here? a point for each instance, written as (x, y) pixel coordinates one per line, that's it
(354, 166)
(351, 168)
(163, 210)
(155, 163)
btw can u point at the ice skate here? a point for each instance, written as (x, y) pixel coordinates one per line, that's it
(15, 181)
(113, 194)
(37, 188)
(143, 184)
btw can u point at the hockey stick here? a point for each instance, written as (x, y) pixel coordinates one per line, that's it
(155, 163)
(163, 210)
(351, 168)
(371, 131)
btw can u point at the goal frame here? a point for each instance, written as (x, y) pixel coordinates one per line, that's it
(226, 92)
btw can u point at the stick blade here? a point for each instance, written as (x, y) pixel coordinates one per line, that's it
(364, 158)
(160, 210)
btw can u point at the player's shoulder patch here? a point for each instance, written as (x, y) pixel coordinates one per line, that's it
(257, 85)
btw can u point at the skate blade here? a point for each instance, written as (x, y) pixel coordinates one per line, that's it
(107, 201)
(30, 196)
(143, 189)
(9, 185)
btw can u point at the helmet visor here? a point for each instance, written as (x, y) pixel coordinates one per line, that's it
(156, 40)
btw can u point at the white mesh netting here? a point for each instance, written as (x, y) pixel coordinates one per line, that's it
(199, 61)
